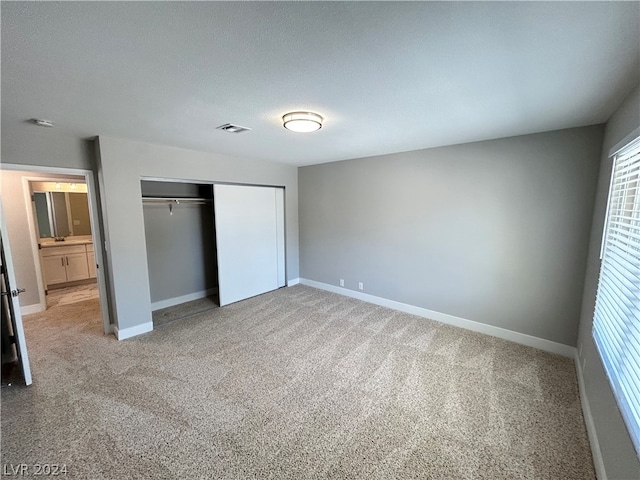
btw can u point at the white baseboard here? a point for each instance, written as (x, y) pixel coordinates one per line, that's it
(35, 308)
(132, 331)
(293, 282)
(598, 461)
(170, 302)
(521, 338)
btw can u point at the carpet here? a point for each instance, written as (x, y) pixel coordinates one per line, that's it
(293, 384)
(183, 310)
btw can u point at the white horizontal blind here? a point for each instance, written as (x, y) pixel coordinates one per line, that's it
(616, 324)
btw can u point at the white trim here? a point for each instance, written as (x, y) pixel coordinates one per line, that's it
(624, 142)
(132, 331)
(170, 302)
(34, 308)
(293, 282)
(517, 337)
(598, 461)
(605, 228)
(280, 236)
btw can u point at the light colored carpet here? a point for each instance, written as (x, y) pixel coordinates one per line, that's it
(294, 384)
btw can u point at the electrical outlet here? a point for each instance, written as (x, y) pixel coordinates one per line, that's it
(342, 282)
(360, 286)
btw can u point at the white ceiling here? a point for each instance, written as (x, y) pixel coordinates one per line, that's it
(388, 76)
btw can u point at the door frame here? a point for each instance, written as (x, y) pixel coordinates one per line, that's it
(34, 233)
(95, 231)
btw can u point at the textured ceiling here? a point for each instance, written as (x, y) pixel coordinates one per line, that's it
(388, 76)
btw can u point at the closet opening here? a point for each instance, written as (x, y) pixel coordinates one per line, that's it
(179, 225)
(210, 245)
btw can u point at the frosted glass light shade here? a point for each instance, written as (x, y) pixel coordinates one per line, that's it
(302, 122)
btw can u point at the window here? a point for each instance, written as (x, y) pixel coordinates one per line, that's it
(616, 324)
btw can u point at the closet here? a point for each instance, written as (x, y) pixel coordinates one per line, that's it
(221, 243)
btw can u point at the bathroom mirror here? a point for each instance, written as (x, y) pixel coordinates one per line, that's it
(62, 214)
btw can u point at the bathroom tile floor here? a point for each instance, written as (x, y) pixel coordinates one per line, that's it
(67, 295)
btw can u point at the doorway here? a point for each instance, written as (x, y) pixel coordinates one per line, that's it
(62, 226)
(52, 220)
(181, 249)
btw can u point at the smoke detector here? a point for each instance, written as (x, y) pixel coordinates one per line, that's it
(231, 128)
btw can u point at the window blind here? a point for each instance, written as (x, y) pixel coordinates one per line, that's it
(616, 324)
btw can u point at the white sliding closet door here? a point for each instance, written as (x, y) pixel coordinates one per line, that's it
(250, 240)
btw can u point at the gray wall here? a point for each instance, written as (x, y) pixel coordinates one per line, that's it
(495, 232)
(28, 144)
(122, 164)
(181, 253)
(619, 457)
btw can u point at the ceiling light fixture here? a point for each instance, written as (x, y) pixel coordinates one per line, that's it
(302, 122)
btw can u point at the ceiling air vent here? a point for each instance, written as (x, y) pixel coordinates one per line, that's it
(231, 128)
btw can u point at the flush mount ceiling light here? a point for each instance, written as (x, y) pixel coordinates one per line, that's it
(302, 122)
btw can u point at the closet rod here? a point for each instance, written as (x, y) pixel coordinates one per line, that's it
(175, 200)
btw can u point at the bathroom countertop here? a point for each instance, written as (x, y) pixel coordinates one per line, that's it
(66, 242)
